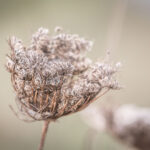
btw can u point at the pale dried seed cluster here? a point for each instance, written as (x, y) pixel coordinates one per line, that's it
(52, 77)
(134, 126)
(129, 123)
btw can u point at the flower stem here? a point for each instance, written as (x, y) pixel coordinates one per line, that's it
(43, 136)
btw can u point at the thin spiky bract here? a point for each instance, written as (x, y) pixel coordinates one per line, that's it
(53, 77)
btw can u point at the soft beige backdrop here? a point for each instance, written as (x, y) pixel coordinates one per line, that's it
(123, 26)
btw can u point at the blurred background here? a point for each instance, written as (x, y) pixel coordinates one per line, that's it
(121, 26)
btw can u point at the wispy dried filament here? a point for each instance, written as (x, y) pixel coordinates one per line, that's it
(53, 77)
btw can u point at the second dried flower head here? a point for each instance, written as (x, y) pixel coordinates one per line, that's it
(52, 77)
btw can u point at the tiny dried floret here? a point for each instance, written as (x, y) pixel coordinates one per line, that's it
(53, 77)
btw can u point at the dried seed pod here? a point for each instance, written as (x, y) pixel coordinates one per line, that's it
(52, 77)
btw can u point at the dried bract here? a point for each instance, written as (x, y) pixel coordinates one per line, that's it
(52, 77)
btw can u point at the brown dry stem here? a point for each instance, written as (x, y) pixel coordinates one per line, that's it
(44, 132)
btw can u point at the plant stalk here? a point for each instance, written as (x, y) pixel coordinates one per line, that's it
(44, 132)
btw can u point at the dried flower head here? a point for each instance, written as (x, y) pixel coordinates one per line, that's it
(53, 77)
(128, 123)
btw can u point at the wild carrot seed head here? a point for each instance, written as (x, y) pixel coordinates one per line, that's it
(53, 77)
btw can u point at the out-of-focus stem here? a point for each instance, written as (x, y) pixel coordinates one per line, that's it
(44, 132)
(89, 139)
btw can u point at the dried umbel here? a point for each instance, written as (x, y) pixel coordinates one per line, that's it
(128, 123)
(52, 77)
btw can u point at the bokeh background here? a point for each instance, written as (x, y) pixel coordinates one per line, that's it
(121, 26)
